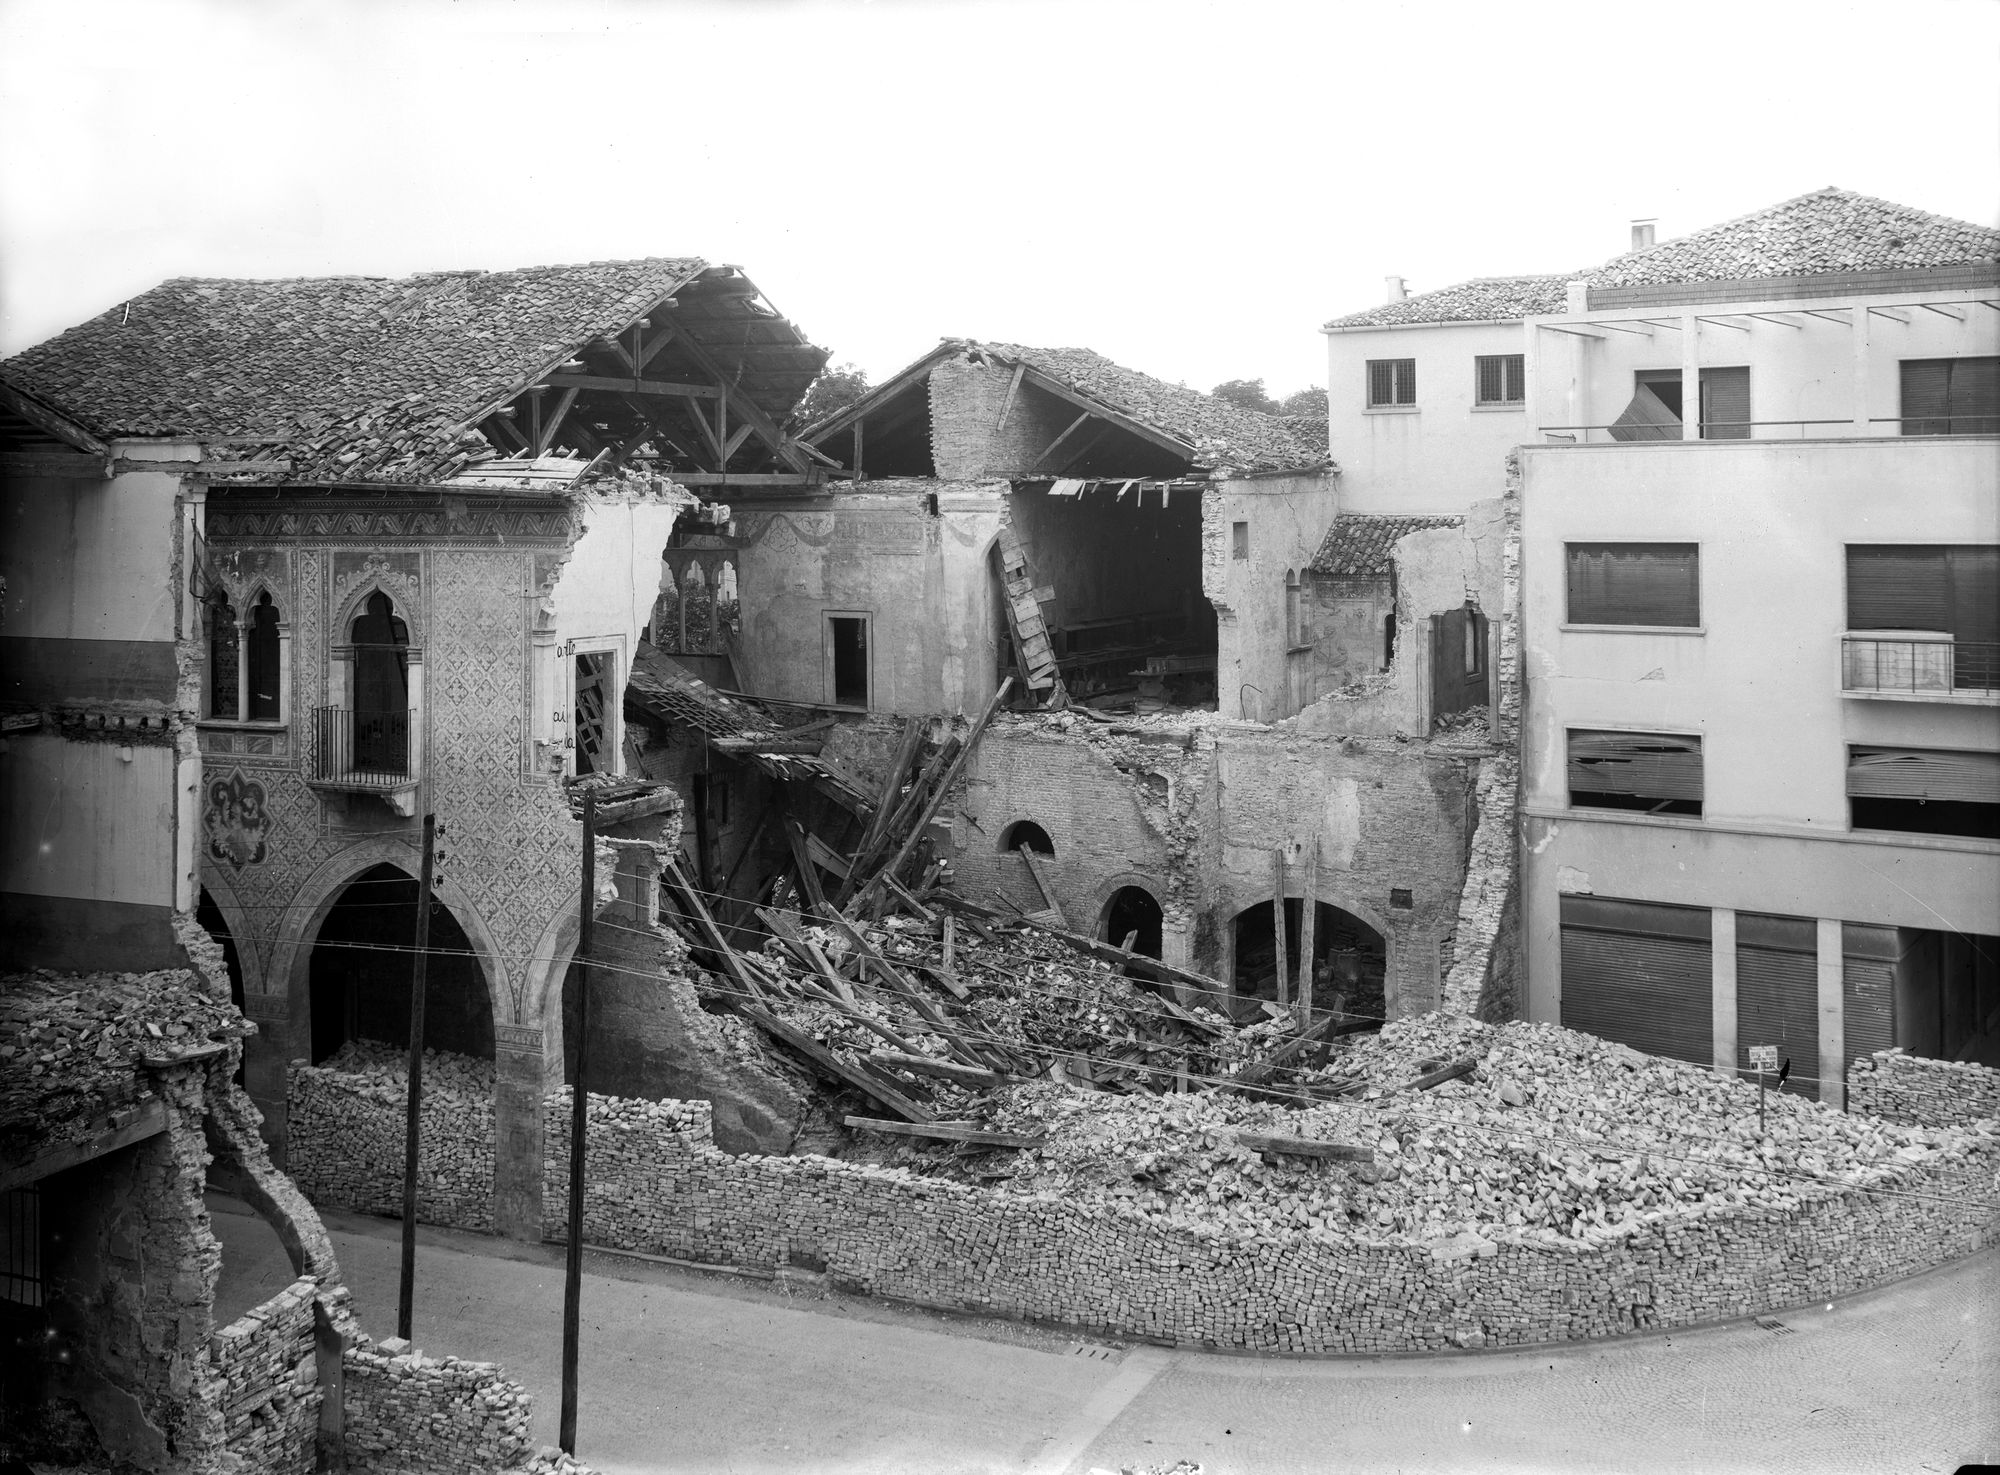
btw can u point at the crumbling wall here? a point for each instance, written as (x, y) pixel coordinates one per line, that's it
(656, 1184)
(408, 1414)
(268, 1366)
(1931, 1093)
(967, 438)
(1485, 980)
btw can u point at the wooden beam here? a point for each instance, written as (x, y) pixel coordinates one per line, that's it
(750, 479)
(1034, 866)
(948, 1132)
(1123, 421)
(1278, 925)
(149, 1120)
(833, 1065)
(1308, 920)
(945, 1070)
(1075, 425)
(48, 421)
(1007, 405)
(1463, 1066)
(554, 423)
(633, 386)
(1083, 448)
(767, 429)
(1306, 1147)
(660, 339)
(1091, 945)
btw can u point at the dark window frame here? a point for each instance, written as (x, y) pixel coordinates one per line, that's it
(1657, 778)
(1391, 383)
(1510, 373)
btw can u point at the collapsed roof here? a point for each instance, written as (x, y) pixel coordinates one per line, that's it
(1154, 427)
(1828, 232)
(413, 380)
(1362, 544)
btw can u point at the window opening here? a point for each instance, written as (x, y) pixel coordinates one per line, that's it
(224, 651)
(264, 660)
(1657, 408)
(1647, 584)
(1027, 832)
(1239, 539)
(1958, 396)
(1500, 378)
(848, 637)
(21, 1246)
(1655, 773)
(1943, 591)
(1294, 635)
(1350, 958)
(1392, 382)
(1475, 641)
(1924, 791)
(381, 714)
(592, 715)
(1134, 912)
(1388, 640)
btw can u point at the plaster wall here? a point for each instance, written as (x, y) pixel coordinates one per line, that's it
(87, 819)
(1842, 368)
(1259, 676)
(1439, 455)
(877, 550)
(86, 559)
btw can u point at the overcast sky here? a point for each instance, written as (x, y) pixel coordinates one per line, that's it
(1190, 188)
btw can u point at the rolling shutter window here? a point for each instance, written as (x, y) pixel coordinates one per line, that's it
(1638, 765)
(1655, 584)
(1777, 994)
(1725, 404)
(1897, 588)
(1639, 973)
(1868, 989)
(1923, 773)
(1951, 396)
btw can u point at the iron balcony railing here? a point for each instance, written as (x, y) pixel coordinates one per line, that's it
(1847, 429)
(1918, 664)
(361, 749)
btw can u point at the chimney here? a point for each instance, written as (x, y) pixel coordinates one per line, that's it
(1642, 233)
(1397, 291)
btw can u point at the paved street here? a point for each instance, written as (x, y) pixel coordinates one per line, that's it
(685, 1372)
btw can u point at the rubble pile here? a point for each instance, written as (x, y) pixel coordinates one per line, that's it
(70, 1044)
(269, 1369)
(1908, 1088)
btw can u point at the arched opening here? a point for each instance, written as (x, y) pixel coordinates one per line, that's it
(263, 660)
(381, 687)
(1350, 960)
(1133, 909)
(360, 972)
(208, 916)
(1027, 832)
(224, 649)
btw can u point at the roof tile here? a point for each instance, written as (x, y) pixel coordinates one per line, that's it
(1358, 543)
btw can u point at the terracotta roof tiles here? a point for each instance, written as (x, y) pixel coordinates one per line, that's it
(1360, 544)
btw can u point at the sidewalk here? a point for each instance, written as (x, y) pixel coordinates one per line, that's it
(689, 1372)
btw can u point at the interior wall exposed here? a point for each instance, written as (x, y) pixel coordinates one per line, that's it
(1350, 959)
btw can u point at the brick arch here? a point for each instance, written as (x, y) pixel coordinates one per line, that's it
(541, 994)
(1101, 894)
(1328, 892)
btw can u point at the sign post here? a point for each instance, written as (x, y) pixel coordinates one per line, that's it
(1762, 1058)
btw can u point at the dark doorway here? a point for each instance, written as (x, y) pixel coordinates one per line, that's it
(1947, 995)
(1132, 909)
(592, 722)
(847, 646)
(381, 687)
(360, 972)
(1350, 960)
(1458, 661)
(263, 658)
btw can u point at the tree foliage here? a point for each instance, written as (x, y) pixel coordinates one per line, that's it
(832, 392)
(1309, 403)
(1246, 394)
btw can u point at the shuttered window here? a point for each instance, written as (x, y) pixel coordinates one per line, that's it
(1725, 404)
(1392, 382)
(1652, 771)
(1639, 973)
(1954, 589)
(1500, 378)
(1868, 989)
(1777, 994)
(1656, 584)
(1951, 396)
(1924, 791)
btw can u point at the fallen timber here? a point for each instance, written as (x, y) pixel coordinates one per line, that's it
(969, 1132)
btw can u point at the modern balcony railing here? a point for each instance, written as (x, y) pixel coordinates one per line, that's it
(1919, 665)
(1733, 430)
(362, 751)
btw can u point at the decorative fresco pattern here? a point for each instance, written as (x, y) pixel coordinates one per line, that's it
(511, 843)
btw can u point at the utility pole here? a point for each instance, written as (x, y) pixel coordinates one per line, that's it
(579, 1099)
(406, 1285)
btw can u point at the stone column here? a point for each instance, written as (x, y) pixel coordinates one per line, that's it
(266, 1072)
(517, 1131)
(1832, 1014)
(1722, 965)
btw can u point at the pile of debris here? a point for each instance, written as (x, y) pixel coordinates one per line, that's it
(70, 1044)
(374, 1067)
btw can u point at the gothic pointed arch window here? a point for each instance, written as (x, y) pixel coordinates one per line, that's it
(381, 642)
(225, 653)
(265, 665)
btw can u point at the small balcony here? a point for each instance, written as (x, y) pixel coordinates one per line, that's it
(1919, 666)
(363, 752)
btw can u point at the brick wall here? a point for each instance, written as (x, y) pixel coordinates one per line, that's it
(408, 1414)
(657, 1185)
(967, 439)
(268, 1364)
(1931, 1093)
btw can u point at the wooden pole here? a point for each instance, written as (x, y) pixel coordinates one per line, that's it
(1308, 920)
(1278, 925)
(407, 1281)
(579, 1103)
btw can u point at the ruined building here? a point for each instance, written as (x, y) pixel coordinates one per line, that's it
(376, 539)
(1761, 626)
